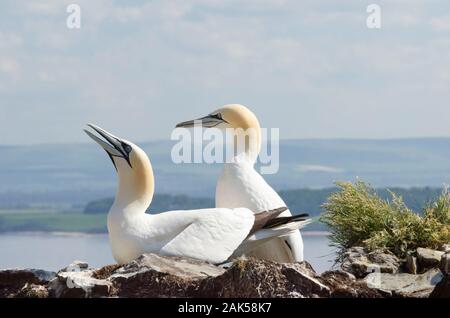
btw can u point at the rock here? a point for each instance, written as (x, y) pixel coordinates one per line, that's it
(404, 284)
(445, 248)
(78, 284)
(359, 262)
(75, 266)
(444, 265)
(249, 278)
(442, 290)
(411, 264)
(305, 278)
(158, 276)
(344, 285)
(33, 291)
(13, 280)
(18, 276)
(183, 267)
(428, 258)
(255, 278)
(105, 271)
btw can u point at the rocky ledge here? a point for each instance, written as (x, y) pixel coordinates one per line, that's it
(362, 275)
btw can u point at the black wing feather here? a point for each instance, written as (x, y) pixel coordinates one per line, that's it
(284, 220)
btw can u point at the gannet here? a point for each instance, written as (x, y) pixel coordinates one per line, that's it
(240, 185)
(213, 235)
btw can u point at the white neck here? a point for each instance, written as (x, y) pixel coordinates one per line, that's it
(135, 188)
(247, 142)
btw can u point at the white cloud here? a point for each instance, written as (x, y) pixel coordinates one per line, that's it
(441, 24)
(10, 40)
(312, 65)
(9, 66)
(48, 7)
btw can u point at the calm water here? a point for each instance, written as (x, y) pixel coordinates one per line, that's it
(54, 251)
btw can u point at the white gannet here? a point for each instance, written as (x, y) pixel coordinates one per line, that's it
(212, 235)
(239, 185)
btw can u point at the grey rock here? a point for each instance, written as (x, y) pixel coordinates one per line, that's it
(256, 278)
(404, 284)
(181, 267)
(359, 262)
(153, 275)
(445, 248)
(428, 258)
(445, 263)
(13, 280)
(79, 284)
(305, 278)
(442, 290)
(12, 276)
(411, 264)
(345, 285)
(160, 276)
(75, 266)
(33, 291)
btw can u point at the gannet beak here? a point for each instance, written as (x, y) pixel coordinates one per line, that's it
(114, 146)
(212, 120)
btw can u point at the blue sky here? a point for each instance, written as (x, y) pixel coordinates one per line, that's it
(311, 68)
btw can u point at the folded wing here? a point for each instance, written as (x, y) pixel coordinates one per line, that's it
(213, 234)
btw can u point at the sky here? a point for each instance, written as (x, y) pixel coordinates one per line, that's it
(311, 68)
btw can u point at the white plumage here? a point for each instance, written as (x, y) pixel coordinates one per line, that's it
(211, 235)
(240, 185)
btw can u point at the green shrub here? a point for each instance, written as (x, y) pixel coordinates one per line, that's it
(356, 216)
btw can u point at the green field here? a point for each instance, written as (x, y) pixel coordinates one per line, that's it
(35, 220)
(20, 220)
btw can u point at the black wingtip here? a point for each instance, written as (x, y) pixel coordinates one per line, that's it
(285, 219)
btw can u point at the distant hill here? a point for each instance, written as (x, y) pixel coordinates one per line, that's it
(93, 219)
(79, 173)
(160, 203)
(298, 201)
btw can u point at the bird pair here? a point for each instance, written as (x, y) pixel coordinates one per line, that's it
(249, 218)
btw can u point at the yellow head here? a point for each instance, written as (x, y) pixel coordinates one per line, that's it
(228, 116)
(136, 181)
(237, 117)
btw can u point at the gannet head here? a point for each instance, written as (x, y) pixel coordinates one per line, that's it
(244, 124)
(136, 182)
(228, 116)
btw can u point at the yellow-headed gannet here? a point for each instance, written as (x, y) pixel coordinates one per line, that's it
(212, 235)
(239, 185)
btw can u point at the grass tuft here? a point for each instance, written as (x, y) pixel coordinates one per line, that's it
(356, 216)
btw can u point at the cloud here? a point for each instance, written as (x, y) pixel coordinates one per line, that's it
(9, 66)
(49, 7)
(10, 40)
(441, 24)
(311, 67)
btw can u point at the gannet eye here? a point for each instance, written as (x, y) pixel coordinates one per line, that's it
(126, 147)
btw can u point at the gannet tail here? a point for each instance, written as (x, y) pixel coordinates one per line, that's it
(273, 229)
(285, 220)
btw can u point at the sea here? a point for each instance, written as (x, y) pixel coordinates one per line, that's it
(53, 251)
